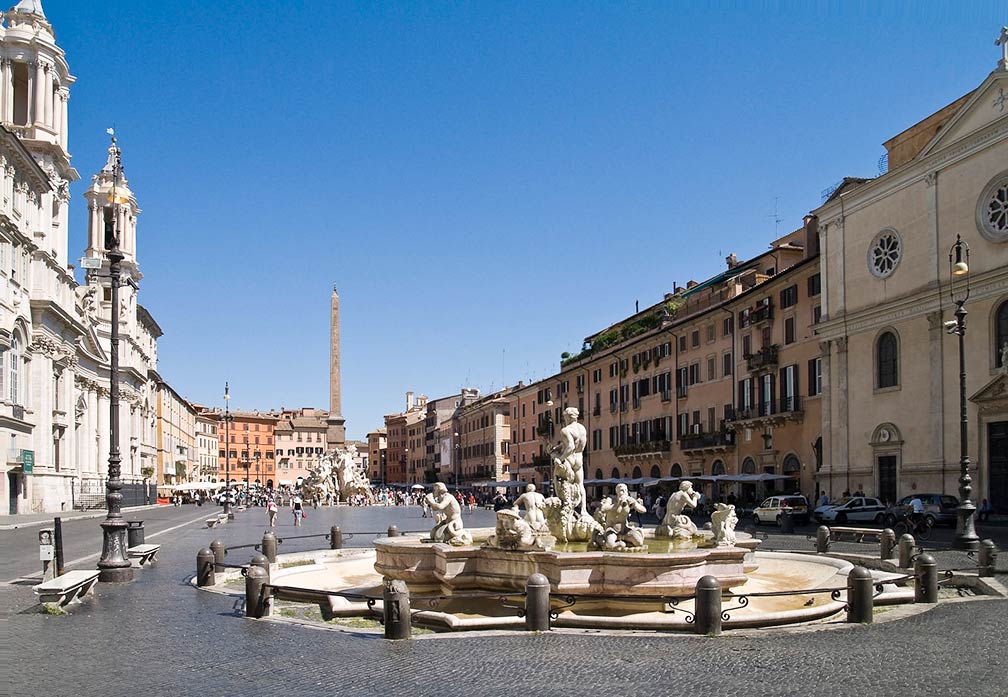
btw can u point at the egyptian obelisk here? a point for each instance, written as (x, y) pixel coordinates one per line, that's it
(335, 428)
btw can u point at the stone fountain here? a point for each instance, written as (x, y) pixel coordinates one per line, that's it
(557, 537)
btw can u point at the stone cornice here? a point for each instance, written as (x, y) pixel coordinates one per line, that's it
(921, 303)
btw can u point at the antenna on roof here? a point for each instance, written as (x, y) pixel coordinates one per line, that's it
(775, 216)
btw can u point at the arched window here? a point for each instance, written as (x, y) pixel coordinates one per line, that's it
(718, 467)
(792, 465)
(599, 475)
(655, 472)
(1001, 335)
(887, 360)
(748, 466)
(676, 470)
(636, 473)
(15, 362)
(615, 473)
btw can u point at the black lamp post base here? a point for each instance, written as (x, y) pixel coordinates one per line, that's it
(113, 566)
(966, 537)
(116, 575)
(230, 515)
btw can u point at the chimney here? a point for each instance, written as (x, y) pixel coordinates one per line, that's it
(691, 284)
(811, 227)
(409, 401)
(732, 260)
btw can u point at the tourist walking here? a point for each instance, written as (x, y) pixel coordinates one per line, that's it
(271, 512)
(297, 509)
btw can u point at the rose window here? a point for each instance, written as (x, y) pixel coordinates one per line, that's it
(992, 210)
(884, 253)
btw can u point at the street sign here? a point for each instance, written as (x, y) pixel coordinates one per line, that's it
(90, 263)
(28, 461)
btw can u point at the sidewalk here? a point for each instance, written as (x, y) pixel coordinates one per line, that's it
(25, 520)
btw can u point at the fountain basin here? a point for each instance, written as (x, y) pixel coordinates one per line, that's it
(443, 569)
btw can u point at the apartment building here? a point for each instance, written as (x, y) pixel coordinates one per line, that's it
(377, 443)
(657, 390)
(207, 446)
(484, 439)
(406, 438)
(246, 449)
(300, 441)
(176, 435)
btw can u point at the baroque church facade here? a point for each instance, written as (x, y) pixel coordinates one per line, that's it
(55, 332)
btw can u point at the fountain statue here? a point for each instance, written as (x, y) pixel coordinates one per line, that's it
(337, 474)
(528, 533)
(448, 517)
(615, 531)
(723, 522)
(567, 512)
(676, 524)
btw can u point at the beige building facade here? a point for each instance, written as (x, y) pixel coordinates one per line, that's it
(890, 369)
(176, 437)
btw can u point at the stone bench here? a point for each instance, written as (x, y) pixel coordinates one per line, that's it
(143, 553)
(216, 520)
(73, 585)
(858, 533)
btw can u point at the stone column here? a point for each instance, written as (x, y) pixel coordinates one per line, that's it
(47, 85)
(825, 406)
(64, 124)
(6, 90)
(38, 91)
(841, 442)
(936, 361)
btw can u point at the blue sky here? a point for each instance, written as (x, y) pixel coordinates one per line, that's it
(486, 183)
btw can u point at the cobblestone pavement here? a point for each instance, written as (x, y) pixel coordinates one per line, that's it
(159, 633)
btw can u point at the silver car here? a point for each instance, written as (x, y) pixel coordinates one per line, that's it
(860, 508)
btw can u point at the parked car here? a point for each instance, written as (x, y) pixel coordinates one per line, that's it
(859, 508)
(939, 509)
(771, 509)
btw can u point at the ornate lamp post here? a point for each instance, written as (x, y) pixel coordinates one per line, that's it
(114, 566)
(959, 290)
(227, 454)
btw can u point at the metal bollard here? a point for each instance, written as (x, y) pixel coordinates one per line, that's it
(205, 567)
(786, 522)
(860, 601)
(396, 601)
(335, 537)
(256, 603)
(261, 561)
(925, 579)
(987, 558)
(822, 539)
(537, 603)
(218, 551)
(269, 546)
(393, 531)
(887, 542)
(707, 611)
(907, 547)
